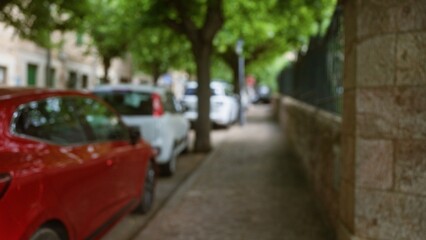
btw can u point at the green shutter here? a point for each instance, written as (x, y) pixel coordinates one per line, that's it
(31, 75)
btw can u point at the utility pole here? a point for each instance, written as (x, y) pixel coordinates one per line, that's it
(239, 51)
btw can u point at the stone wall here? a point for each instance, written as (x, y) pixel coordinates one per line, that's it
(314, 136)
(383, 190)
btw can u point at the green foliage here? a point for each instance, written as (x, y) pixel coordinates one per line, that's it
(156, 50)
(107, 24)
(37, 19)
(269, 28)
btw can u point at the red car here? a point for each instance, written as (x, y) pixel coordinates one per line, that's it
(69, 167)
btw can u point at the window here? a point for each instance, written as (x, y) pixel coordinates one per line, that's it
(51, 120)
(3, 79)
(31, 74)
(104, 124)
(84, 81)
(128, 103)
(72, 80)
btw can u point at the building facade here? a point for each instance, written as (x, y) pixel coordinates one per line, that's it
(73, 63)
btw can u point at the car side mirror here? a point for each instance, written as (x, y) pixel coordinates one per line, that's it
(135, 135)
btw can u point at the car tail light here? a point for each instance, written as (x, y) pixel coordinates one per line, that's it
(157, 106)
(4, 183)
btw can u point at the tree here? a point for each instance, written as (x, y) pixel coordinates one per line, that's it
(35, 20)
(107, 24)
(269, 28)
(156, 50)
(199, 21)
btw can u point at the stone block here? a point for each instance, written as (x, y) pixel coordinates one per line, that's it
(389, 215)
(411, 114)
(374, 164)
(375, 18)
(411, 15)
(410, 166)
(376, 61)
(395, 112)
(376, 113)
(411, 58)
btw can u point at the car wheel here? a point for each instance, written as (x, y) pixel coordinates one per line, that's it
(169, 168)
(148, 192)
(45, 234)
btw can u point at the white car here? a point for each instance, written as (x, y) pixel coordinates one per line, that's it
(223, 103)
(156, 113)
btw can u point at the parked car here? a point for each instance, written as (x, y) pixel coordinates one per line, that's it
(69, 166)
(264, 94)
(156, 113)
(223, 103)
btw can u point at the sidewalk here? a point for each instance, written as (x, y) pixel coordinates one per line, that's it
(246, 189)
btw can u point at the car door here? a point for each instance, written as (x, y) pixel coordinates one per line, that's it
(112, 144)
(69, 164)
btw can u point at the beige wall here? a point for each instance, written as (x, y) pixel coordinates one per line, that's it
(16, 54)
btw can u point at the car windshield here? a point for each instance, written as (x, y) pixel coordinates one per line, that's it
(214, 91)
(128, 102)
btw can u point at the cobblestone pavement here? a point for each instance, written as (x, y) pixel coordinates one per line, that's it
(248, 188)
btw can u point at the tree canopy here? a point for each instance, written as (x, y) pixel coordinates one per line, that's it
(156, 50)
(37, 19)
(109, 26)
(198, 21)
(269, 28)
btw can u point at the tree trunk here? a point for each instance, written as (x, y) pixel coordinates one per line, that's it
(48, 66)
(155, 73)
(107, 65)
(202, 55)
(236, 78)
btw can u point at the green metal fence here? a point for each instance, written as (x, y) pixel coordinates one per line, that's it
(316, 77)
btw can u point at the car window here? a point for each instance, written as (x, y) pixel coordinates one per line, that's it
(129, 103)
(52, 120)
(104, 124)
(169, 104)
(178, 105)
(228, 92)
(213, 91)
(190, 91)
(217, 91)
